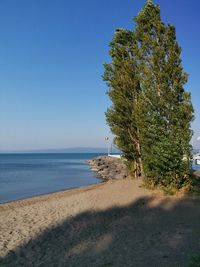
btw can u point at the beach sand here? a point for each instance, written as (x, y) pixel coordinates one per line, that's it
(117, 223)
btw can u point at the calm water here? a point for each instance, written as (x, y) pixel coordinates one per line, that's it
(196, 167)
(26, 175)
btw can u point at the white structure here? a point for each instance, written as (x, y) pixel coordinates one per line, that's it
(114, 156)
(108, 144)
(109, 148)
(196, 159)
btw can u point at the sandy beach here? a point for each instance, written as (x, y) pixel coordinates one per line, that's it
(117, 223)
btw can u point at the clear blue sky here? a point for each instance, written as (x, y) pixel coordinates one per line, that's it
(51, 56)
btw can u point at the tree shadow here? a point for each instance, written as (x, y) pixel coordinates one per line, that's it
(144, 233)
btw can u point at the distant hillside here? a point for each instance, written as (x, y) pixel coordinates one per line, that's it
(66, 150)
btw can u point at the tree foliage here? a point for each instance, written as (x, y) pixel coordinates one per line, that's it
(121, 76)
(151, 112)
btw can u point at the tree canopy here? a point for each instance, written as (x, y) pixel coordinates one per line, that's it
(151, 112)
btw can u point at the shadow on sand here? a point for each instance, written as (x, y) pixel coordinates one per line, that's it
(141, 234)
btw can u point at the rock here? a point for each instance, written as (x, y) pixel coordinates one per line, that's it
(197, 173)
(118, 177)
(108, 168)
(94, 169)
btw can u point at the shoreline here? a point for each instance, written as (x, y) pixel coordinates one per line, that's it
(51, 195)
(45, 195)
(105, 168)
(27, 218)
(98, 165)
(24, 176)
(117, 222)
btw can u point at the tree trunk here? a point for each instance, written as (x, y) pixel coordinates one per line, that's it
(134, 169)
(141, 170)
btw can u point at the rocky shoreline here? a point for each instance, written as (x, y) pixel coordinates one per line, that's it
(111, 168)
(197, 173)
(108, 168)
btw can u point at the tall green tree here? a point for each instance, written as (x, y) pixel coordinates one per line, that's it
(165, 108)
(123, 81)
(151, 112)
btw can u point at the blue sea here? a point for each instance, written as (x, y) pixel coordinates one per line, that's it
(27, 175)
(196, 167)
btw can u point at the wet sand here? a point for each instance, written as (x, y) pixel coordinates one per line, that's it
(117, 223)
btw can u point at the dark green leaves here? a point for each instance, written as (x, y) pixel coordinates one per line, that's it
(151, 113)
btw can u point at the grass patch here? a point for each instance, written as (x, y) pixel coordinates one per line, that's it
(190, 187)
(195, 261)
(194, 188)
(169, 191)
